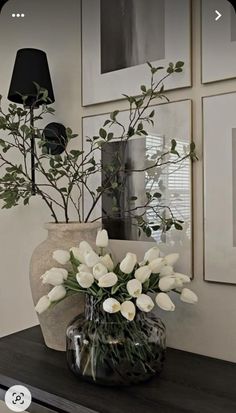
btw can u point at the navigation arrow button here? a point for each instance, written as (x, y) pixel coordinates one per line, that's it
(218, 15)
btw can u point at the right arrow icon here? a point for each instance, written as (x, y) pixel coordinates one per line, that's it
(218, 15)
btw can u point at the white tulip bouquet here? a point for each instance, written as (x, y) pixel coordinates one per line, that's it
(121, 288)
(116, 333)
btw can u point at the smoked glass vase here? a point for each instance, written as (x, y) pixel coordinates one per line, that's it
(108, 350)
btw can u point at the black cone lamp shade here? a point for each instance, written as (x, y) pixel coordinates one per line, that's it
(31, 66)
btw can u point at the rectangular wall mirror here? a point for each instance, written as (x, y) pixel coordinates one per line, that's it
(171, 121)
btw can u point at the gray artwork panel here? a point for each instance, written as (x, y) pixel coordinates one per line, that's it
(233, 25)
(132, 33)
(234, 183)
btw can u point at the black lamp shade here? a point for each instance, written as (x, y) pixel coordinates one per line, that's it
(31, 65)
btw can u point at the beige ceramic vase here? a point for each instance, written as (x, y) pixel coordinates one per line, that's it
(55, 321)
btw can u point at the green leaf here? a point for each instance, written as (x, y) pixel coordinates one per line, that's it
(148, 231)
(106, 122)
(157, 195)
(143, 88)
(179, 64)
(102, 133)
(156, 227)
(173, 144)
(114, 114)
(140, 126)
(110, 136)
(133, 198)
(178, 226)
(152, 114)
(76, 153)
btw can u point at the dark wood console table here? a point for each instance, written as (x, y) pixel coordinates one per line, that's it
(189, 383)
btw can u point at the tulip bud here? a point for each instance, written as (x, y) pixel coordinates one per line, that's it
(108, 280)
(143, 273)
(43, 304)
(188, 296)
(166, 270)
(55, 276)
(111, 305)
(184, 278)
(78, 254)
(164, 302)
(61, 256)
(152, 254)
(84, 246)
(99, 270)
(83, 268)
(57, 293)
(156, 265)
(167, 283)
(85, 279)
(91, 258)
(107, 261)
(102, 239)
(171, 259)
(128, 263)
(134, 288)
(128, 310)
(144, 303)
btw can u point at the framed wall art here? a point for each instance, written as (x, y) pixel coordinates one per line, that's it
(171, 120)
(120, 36)
(220, 187)
(218, 41)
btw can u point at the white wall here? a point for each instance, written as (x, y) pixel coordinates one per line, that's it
(54, 27)
(209, 327)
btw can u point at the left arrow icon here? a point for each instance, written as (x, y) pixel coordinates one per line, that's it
(218, 15)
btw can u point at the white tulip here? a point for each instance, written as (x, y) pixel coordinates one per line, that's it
(84, 246)
(152, 254)
(144, 303)
(171, 259)
(85, 279)
(91, 258)
(184, 278)
(164, 302)
(128, 263)
(99, 270)
(83, 268)
(143, 273)
(188, 296)
(57, 293)
(166, 271)
(128, 310)
(107, 261)
(78, 254)
(111, 305)
(167, 283)
(102, 238)
(134, 288)
(108, 280)
(156, 265)
(55, 276)
(61, 256)
(43, 304)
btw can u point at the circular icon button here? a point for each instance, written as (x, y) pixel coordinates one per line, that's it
(18, 398)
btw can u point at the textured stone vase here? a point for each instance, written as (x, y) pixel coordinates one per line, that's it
(54, 322)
